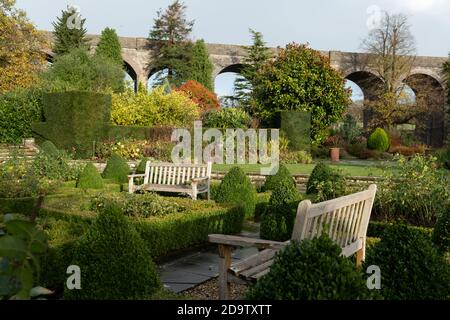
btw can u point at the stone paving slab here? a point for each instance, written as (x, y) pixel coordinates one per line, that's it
(199, 266)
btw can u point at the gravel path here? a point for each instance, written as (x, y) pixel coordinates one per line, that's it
(209, 290)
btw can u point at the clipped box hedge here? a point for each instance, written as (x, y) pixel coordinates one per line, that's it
(17, 205)
(162, 235)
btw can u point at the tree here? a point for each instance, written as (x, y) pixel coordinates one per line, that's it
(78, 70)
(69, 32)
(201, 66)
(257, 55)
(109, 46)
(391, 49)
(20, 48)
(172, 51)
(301, 79)
(446, 69)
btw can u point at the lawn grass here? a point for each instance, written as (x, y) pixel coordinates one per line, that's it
(372, 168)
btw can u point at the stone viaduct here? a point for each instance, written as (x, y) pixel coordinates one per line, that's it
(425, 79)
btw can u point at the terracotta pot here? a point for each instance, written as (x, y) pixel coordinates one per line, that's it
(334, 153)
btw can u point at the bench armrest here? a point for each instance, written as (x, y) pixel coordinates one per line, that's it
(132, 176)
(237, 241)
(196, 180)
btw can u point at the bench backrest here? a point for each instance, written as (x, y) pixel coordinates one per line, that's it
(344, 219)
(175, 174)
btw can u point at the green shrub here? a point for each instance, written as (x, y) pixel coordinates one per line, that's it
(416, 191)
(140, 169)
(325, 182)
(296, 157)
(114, 260)
(49, 148)
(378, 140)
(411, 267)
(18, 110)
(236, 188)
(311, 270)
(262, 201)
(273, 181)
(90, 178)
(377, 228)
(116, 168)
(443, 157)
(232, 118)
(278, 220)
(54, 165)
(129, 149)
(136, 205)
(78, 70)
(441, 231)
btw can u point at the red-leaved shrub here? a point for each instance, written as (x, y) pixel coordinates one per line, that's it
(205, 98)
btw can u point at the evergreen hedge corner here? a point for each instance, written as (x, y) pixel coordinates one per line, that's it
(117, 169)
(74, 120)
(90, 178)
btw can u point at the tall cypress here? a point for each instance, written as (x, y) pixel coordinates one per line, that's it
(69, 32)
(109, 46)
(257, 56)
(201, 66)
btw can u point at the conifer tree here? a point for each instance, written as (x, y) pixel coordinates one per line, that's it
(70, 32)
(201, 66)
(257, 55)
(109, 46)
(173, 50)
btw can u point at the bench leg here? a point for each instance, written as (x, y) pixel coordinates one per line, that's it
(130, 185)
(360, 255)
(224, 265)
(194, 191)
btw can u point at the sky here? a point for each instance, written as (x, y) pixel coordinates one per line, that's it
(324, 24)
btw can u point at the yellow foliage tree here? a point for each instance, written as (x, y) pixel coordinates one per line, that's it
(153, 108)
(21, 57)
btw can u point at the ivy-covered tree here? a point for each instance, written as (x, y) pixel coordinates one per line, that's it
(173, 50)
(70, 32)
(257, 55)
(301, 79)
(201, 66)
(20, 48)
(109, 46)
(447, 74)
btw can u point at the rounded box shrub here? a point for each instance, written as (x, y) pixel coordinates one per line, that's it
(117, 169)
(411, 267)
(278, 219)
(326, 182)
(311, 270)
(236, 188)
(114, 261)
(441, 231)
(90, 178)
(378, 140)
(49, 148)
(273, 181)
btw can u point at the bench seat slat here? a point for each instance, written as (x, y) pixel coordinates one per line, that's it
(252, 261)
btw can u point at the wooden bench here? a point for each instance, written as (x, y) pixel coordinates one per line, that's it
(344, 219)
(191, 179)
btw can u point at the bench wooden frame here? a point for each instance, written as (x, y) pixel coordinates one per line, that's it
(191, 179)
(344, 219)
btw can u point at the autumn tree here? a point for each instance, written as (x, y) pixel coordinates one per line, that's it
(21, 57)
(392, 52)
(172, 49)
(109, 46)
(257, 55)
(70, 32)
